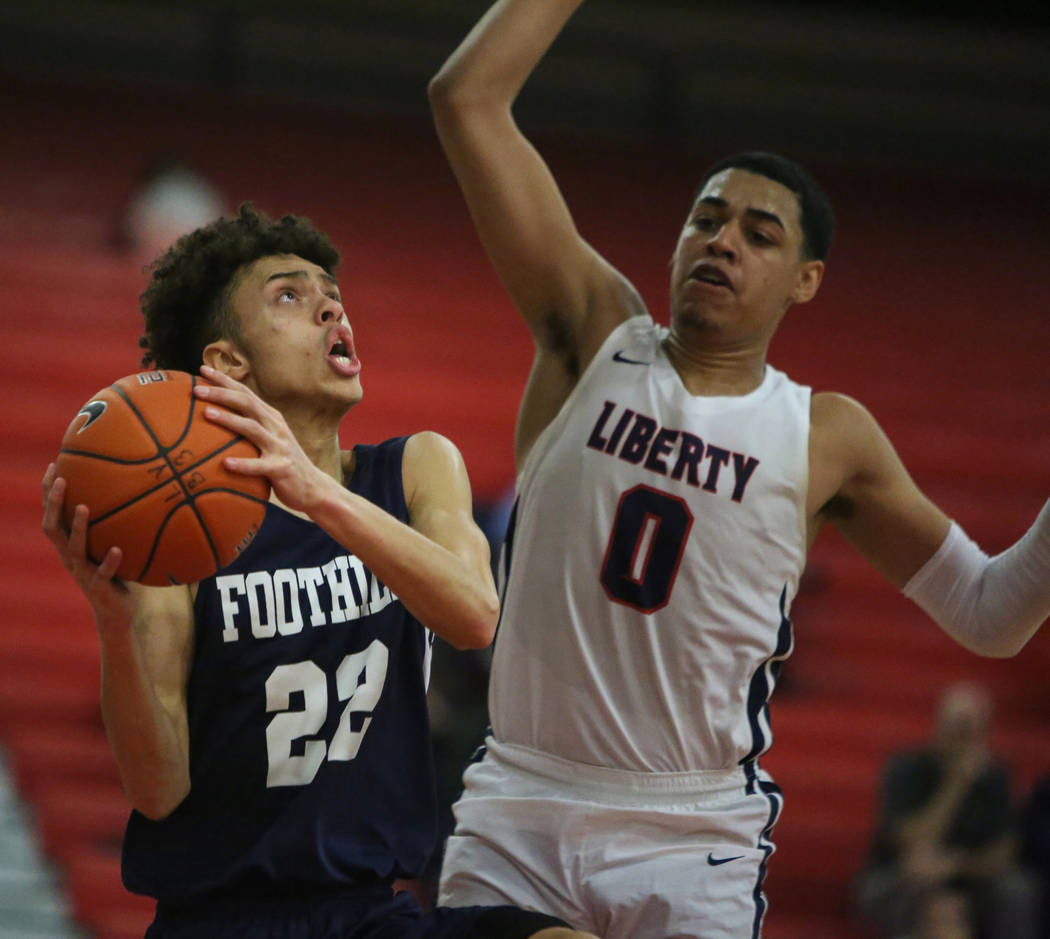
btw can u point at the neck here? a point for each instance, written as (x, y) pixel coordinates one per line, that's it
(318, 436)
(715, 371)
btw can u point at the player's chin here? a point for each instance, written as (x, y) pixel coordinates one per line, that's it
(346, 393)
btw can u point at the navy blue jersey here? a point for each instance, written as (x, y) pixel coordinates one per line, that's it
(310, 755)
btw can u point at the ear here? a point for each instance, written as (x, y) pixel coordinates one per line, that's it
(810, 274)
(227, 357)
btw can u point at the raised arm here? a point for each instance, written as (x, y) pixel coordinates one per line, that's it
(146, 644)
(992, 606)
(569, 296)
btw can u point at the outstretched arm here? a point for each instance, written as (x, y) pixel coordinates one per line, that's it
(569, 297)
(992, 606)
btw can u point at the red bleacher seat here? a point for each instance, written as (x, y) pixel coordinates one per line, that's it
(99, 899)
(72, 814)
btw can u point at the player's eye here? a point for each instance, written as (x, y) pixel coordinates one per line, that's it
(286, 296)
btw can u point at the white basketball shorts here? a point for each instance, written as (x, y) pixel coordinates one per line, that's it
(621, 854)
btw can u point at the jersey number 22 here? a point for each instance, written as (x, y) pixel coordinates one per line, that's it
(286, 727)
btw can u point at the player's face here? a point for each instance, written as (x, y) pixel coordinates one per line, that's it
(294, 333)
(738, 264)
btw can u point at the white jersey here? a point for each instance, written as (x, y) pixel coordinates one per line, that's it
(650, 564)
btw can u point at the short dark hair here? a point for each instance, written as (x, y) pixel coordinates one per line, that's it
(187, 302)
(815, 212)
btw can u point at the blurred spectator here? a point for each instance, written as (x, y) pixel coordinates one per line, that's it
(1035, 841)
(170, 199)
(946, 823)
(944, 914)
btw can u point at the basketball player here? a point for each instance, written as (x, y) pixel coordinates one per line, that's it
(669, 485)
(270, 722)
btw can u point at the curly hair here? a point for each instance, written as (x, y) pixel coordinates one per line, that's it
(187, 302)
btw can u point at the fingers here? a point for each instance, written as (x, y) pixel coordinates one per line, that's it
(49, 479)
(234, 395)
(78, 529)
(107, 570)
(72, 543)
(238, 423)
(231, 394)
(219, 378)
(97, 581)
(241, 411)
(54, 488)
(225, 390)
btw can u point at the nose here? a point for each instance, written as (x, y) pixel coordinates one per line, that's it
(722, 242)
(329, 310)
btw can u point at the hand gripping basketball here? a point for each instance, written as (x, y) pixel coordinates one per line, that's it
(149, 467)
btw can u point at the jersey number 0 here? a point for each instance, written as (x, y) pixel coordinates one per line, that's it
(645, 548)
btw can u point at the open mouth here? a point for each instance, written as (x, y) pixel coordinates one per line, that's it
(342, 354)
(709, 274)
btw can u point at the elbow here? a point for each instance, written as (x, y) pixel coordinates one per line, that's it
(439, 88)
(992, 646)
(159, 802)
(154, 811)
(1000, 649)
(480, 630)
(444, 94)
(453, 98)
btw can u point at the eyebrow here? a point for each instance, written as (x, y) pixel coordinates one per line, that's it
(301, 275)
(754, 213)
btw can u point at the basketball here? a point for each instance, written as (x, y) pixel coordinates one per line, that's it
(149, 466)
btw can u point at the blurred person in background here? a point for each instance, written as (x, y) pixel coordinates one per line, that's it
(944, 914)
(1035, 846)
(947, 822)
(170, 198)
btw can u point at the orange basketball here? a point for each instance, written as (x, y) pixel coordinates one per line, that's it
(148, 465)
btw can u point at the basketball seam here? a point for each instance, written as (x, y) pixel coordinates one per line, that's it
(176, 475)
(189, 496)
(207, 533)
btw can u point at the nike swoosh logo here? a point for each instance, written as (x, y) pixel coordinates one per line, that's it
(94, 410)
(715, 861)
(618, 356)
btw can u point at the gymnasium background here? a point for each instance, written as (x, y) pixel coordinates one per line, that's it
(931, 132)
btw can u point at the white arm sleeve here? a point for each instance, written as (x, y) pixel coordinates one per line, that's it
(993, 606)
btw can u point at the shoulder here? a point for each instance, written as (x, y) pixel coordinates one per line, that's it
(426, 445)
(412, 452)
(849, 454)
(834, 411)
(842, 430)
(433, 467)
(612, 300)
(636, 340)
